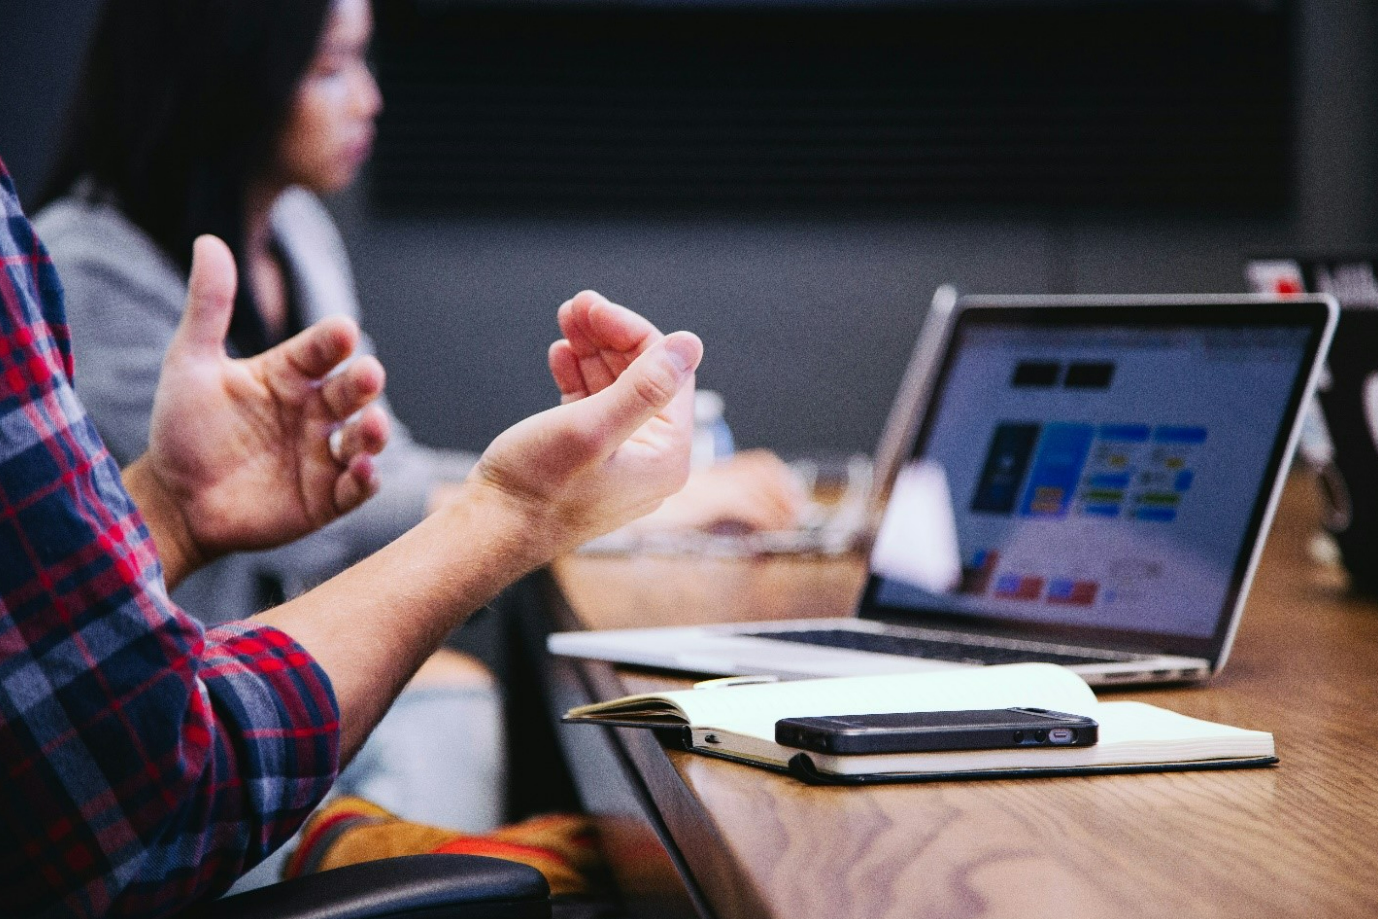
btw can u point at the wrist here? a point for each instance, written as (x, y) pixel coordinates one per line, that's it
(518, 529)
(178, 550)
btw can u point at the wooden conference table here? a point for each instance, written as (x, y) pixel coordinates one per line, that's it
(690, 835)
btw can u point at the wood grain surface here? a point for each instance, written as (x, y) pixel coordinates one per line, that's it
(1300, 839)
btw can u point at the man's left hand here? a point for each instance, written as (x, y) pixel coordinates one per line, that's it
(253, 453)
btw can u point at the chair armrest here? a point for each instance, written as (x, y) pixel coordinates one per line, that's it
(412, 886)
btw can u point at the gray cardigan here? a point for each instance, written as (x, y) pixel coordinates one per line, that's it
(124, 299)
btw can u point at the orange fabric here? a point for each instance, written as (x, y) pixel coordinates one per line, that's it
(350, 830)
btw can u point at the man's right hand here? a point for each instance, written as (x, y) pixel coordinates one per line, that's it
(617, 447)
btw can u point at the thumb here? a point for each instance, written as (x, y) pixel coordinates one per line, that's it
(647, 387)
(210, 300)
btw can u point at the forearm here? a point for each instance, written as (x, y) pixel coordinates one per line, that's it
(176, 549)
(371, 627)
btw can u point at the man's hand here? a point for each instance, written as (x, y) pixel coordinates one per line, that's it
(619, 443)
(249, 454)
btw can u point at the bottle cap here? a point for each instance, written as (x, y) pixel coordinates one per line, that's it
(708, 406)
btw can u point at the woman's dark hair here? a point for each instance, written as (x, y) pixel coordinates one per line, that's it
(179, 108)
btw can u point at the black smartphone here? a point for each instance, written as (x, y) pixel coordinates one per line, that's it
(924, 732)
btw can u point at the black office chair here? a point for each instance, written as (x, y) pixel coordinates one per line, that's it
(408, 887)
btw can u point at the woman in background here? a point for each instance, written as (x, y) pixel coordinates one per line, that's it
(207, 116)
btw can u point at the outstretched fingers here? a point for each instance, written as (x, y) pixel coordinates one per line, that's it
(295, 369)
(603, 337)
(316, 351)
(367, 432)
(354, 387)
(659, 382)
(356, 484)
(564, 368)
(302, 370)
(353, 446)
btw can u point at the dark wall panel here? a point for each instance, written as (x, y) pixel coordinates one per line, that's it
(807, 325)
(41, 44)
(686, 106)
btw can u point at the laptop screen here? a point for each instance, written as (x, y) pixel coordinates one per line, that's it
(1107, 468)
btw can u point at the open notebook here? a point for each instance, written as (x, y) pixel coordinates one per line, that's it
(738, 722)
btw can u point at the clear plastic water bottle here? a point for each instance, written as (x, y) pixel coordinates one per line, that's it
(712, 437)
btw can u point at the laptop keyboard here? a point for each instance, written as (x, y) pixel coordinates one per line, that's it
(931, 649)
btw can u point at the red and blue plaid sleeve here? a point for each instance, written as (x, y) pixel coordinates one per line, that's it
(144, 763)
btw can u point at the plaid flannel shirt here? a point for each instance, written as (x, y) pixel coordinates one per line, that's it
(144, 762)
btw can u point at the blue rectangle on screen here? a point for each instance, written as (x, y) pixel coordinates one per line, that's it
(1184, 480)
(1156, 514)
(1110, 480)
(1130, 433)
(1007, 584)
(1171, 434)
(1057, 469)
(1101, 510)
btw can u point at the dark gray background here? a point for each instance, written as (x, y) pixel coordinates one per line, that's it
(808, 322)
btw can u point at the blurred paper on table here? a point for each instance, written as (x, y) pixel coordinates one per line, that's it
(917, 541)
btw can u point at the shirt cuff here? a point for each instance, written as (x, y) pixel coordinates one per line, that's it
(277, 712)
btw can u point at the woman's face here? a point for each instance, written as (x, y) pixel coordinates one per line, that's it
(329, 131)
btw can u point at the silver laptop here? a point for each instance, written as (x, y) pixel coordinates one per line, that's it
(1112, 463)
